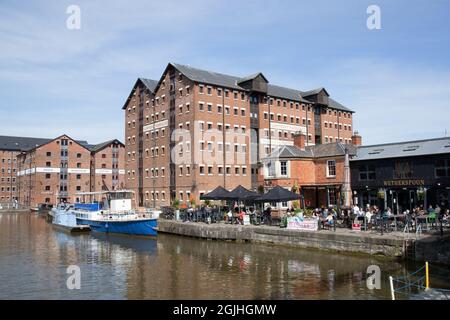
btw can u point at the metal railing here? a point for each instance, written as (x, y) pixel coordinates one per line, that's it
(10, 206)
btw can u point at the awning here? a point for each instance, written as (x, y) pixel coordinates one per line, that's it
(240, 193)
(218, 193)
(278, 194)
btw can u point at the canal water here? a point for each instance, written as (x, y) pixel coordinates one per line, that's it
(34, 257)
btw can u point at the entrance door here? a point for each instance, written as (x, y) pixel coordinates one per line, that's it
(407, 200)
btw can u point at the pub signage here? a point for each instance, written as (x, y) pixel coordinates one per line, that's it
(404, 183)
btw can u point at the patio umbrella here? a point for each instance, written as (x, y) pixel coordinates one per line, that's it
(241, 194)
(218, 193)
(278, 194)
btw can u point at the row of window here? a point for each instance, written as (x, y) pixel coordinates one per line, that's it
(8, 160)
(7, 189)
(155, 195)
(284, 118)
(271, 169)
(335, 113)
(283, 134)
(62, 188)
(242, 112)
(63, 164)
(336, 139)
(330, 125)
(64, 153)
(8, 179)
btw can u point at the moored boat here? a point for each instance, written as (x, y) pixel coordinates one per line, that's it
(114, 214)
(64, 218)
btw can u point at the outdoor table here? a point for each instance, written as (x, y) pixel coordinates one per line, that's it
(420, 219)
(397, 218)
(364, 219)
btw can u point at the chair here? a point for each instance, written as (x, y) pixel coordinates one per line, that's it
(432, 219)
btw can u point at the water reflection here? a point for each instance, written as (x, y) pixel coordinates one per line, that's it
(34, 257)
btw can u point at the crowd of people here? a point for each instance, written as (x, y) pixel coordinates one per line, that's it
(369, 216)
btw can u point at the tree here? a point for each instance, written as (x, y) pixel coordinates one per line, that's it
(261, 189)
(176, 203)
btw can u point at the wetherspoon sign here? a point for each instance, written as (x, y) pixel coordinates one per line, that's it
(404, 183)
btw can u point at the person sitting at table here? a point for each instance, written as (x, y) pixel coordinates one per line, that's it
(430, 209)
(325, 212)
(329, 220)
(356, 210)
(241, 216)
(437, 210)
(389, 212)
(446, 218)
(369, 215)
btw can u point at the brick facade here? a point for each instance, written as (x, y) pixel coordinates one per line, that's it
(316, 172)
(107, 167)
(53, 172)
(8, 161)
(217, 130)
(39, 171)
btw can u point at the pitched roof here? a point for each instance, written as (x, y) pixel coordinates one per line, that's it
(403, 149)
(252, 76)
(288, 152)
(100, 146)
(331, 149)
(316, 151)
(313, 92)
(149, 83)
(11, 143)
(286, 93)
(232, 82)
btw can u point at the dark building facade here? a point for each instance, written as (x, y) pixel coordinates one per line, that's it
(402, 175)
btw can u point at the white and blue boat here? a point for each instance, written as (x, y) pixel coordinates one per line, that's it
(114, 214)
(64, 218)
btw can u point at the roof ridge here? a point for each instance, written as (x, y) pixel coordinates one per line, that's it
(205, 70)
(404, 142)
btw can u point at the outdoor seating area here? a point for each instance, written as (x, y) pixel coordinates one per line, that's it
(244, 207)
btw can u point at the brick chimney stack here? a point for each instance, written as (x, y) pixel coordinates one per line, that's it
(300, 140)
(356, 139)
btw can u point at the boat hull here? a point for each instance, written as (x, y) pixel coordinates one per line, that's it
(144, 227)
(72, 229)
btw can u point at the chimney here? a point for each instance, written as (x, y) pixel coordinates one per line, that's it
(356, 139)
(299, 140)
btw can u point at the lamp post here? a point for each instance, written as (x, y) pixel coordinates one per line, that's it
(346, 190)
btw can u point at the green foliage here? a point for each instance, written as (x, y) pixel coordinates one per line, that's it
(261, 189)
(176, 203)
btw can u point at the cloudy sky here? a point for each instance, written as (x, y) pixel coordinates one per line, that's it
(54, 80)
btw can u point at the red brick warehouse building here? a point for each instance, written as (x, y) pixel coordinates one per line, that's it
(193, 130)
(57, 169)
(10, 147)
(316, 172)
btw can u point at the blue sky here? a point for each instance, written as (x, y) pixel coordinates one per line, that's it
(54, 80)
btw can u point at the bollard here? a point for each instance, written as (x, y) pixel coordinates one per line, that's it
(391, 282)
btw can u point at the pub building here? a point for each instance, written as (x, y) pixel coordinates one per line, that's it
(402, 175)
